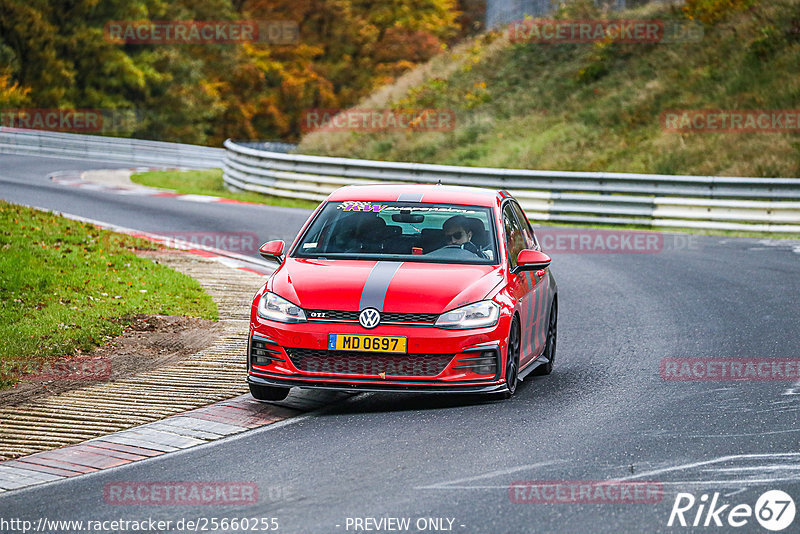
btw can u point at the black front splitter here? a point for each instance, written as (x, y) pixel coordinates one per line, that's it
(388, 388)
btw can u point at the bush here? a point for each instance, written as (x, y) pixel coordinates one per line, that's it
(712, 11)
(768, 42)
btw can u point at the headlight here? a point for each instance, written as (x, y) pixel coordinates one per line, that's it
(477, 315)
(275, 308)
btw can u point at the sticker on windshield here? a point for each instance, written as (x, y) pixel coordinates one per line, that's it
(353, 205)
(361, 206)
(436, 209)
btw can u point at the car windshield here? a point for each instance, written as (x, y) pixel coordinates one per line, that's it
(401, 231)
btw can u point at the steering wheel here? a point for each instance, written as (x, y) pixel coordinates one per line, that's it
(477, 252)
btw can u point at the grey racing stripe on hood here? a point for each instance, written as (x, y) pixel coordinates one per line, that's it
(410, 197)
(377, 284)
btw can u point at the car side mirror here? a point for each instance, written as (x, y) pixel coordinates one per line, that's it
(272, 250)
(532, 260)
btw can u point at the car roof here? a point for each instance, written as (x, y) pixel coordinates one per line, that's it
(433, 194)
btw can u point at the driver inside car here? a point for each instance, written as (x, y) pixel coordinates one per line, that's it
(457, 234)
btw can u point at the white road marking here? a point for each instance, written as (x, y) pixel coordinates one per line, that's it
(491, 474)
(778, 243)
(198, 198)
(649, 474)
(732, 493)
(756, 469)
(794, 390)
(726, 436)
(723, 483)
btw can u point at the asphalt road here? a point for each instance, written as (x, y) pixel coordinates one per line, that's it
(604, 414)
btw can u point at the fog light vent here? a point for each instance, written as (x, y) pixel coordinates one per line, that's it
(485, 364)
(262, 354)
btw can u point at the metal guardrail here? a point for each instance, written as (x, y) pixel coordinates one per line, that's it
(269, 146)
(657, 200)
(705, 202)
(41, 143)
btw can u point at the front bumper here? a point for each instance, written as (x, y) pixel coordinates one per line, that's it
(283, 341)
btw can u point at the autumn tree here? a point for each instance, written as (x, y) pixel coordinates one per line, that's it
(56, 54)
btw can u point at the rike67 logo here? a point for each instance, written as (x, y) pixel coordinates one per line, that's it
(774, 510)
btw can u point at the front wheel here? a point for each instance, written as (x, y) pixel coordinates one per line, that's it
(268, 393)
(549, 353)
(512, 360)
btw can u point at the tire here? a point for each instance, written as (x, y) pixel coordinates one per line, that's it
(512, 360)
(550, 348)
(268, 393)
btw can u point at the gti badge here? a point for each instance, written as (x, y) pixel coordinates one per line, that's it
(369, 317)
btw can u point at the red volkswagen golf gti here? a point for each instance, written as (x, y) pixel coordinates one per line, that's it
(405, 288)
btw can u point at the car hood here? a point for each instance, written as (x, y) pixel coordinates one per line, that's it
(397, 287)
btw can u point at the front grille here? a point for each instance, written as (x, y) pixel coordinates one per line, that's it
(409, 317)
(341, 315)
(332, 315)
(365, 363)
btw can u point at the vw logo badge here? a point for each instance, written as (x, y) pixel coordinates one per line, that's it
(369, 318)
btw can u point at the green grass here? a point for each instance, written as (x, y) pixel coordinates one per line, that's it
(67, 286)
(209, 182)
(597, 107)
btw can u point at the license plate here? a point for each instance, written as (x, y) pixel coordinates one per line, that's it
(362, 343)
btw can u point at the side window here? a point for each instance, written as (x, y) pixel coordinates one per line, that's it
(526, 226)
(515, 239)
